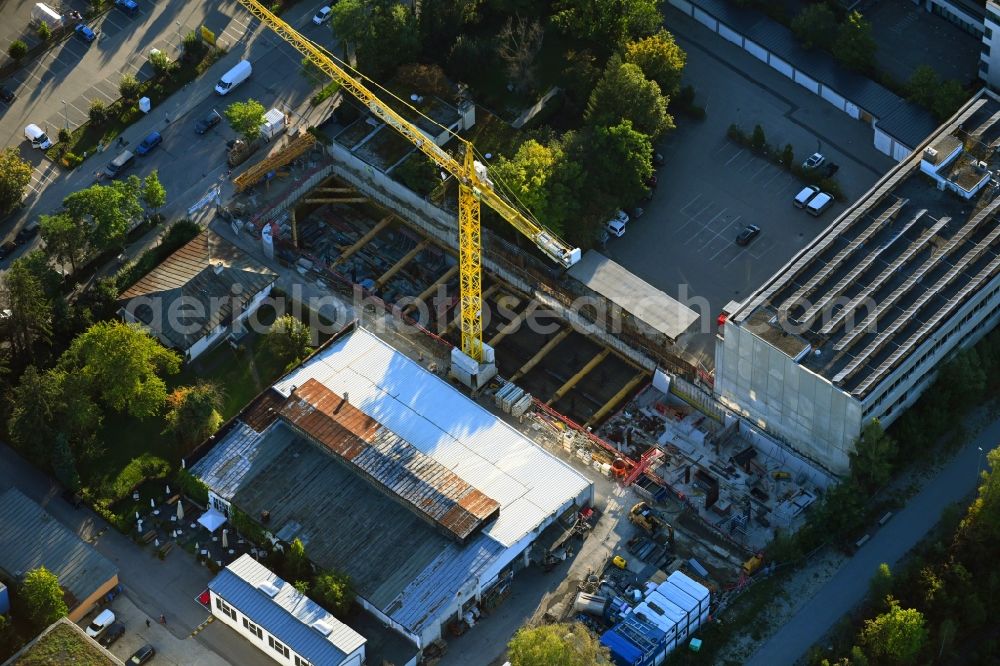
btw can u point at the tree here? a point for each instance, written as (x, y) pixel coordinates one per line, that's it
(788, 155)
(949, 97)
(246, 118)
(121, 364)
(111, 209)
(289, 338)
(129, 87)
(63, 462)
(758, 140)
(29, 318)
(65, 238)
(898, 635)
(881, 583)
(349, 21)
(441, 21)
(194, 48)
(517, 45)
(623, 93)
(162, 64)
(154, 195)
(607, 24)
(563, 644)
(17, 50)
(621, 162)
(15, 176)
(872, 457)
(42, 598)
(44, 31)
(98, 112)
(527, 174)
(855, 46)
(922, 86)
(193, 412)
(660, 59)
(297, 565)
(815, 26)
(36, 405)
(333, 591)
(393, 23)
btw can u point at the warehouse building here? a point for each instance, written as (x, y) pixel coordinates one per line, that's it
(280, 621)
(30, 538)
(387, 473)
(855, 326)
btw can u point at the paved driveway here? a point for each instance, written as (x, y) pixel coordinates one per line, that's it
(152, 586)
(189, 165)
(953, 483)
(710, 187)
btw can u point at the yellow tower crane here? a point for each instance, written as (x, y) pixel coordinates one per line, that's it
(474, 186)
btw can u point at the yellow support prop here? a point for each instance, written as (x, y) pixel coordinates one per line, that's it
(615, 399)
(546, 348)
(361, 242)
(405, 259)
(581, 373)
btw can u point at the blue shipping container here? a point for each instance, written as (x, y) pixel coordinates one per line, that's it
(4, 600)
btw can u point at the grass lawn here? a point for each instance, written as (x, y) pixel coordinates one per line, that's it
(63, 645)
(241, 374)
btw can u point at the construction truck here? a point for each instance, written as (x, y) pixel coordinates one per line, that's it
(651, 522)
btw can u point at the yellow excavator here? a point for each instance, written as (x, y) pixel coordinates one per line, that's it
(651, 522)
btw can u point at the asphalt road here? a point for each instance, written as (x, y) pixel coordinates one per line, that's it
(189, 165)
(954, 482)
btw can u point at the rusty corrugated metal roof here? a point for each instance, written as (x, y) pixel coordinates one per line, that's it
(388, 461)
(263, 411)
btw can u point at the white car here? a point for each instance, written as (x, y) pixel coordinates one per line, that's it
(322, 16)
(101, 623)
(616, 225)
(803, 197)
(814, 161)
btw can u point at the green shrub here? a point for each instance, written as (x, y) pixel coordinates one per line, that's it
(129, 87)
(146, 466)
(162, 65)
(64, 135)
(325, 93)
(194, 48)
(758, 141)
(736, 133)
(192, 487)
(17, 50)
(72, 160)
(44, 31)
(179, 233)
(129, 115)
(98, 112)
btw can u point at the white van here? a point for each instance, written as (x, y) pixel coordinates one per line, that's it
(36, 136)
(234, 77)
(819, 203)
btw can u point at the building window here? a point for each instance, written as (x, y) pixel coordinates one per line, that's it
(253, 628)
(225, 608)
(984, 67)
(278, 647)
(989, 32)
(301, 662)
(986, 50)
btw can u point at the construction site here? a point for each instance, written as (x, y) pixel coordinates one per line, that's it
(584, 359)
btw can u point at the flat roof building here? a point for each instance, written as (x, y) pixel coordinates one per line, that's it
(388, 473)
(855, 326)
(30, 538)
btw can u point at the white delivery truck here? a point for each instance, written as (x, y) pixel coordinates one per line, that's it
(42, 12)
(36, 136)
(274, 124)
(234, 77)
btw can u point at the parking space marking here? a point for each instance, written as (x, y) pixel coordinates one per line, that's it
(738, 153)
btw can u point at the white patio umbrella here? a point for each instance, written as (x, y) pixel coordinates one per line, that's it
(180, 510)
(168, 491)
(225, 538)
(152, 503)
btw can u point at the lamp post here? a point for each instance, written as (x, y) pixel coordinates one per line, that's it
(65, 115)
(979, 464)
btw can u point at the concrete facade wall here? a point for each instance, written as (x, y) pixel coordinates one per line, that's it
(989, 57)
(769, 389)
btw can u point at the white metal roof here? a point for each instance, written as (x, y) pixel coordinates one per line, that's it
(288, 614)
(530, 484)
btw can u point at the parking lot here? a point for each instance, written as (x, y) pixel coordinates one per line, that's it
(710, 187)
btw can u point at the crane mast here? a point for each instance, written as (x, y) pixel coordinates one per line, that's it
(473, 188)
